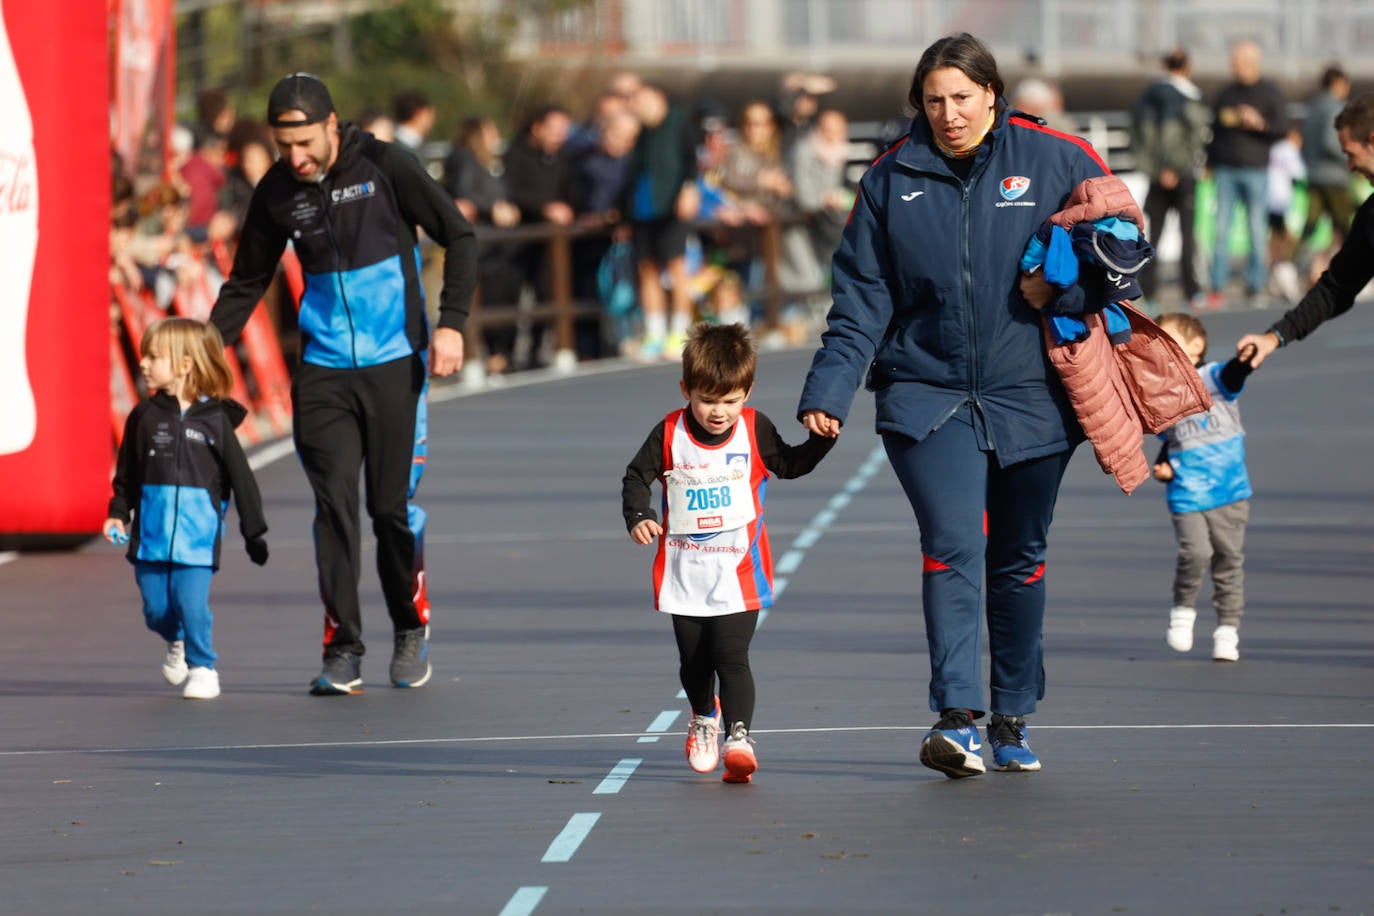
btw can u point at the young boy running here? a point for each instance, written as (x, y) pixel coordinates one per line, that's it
(714, 571)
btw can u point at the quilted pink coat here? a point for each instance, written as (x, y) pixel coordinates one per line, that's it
(1120, 392)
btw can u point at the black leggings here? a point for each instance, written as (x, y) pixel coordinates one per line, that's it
(711, 647)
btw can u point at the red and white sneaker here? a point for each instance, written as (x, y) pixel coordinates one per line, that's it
(740, 762)
(703, 741)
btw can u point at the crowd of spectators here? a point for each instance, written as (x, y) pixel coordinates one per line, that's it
(778, 162)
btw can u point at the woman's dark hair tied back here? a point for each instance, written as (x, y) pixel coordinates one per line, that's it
(965, 53)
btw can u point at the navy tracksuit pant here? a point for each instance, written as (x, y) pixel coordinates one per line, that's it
(980, 523)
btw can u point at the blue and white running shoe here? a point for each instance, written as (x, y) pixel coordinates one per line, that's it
(1007, 735)
(952, 746)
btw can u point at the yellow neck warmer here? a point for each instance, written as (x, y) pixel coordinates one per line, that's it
(970, 150)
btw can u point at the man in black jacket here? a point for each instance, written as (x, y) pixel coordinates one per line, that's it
(349, 204)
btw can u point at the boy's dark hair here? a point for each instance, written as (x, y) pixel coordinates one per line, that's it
(718, 359)
(1190, 327)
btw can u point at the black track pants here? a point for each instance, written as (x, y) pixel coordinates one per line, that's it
(369, 422)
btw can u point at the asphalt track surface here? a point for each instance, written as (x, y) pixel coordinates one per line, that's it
(541, 771)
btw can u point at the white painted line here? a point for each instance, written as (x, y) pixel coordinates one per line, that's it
(616, 779)
(523, 901)
(7, 555)
(270, 453)
(789, 562)
(607, 736)
(565, 844)
(660, 725)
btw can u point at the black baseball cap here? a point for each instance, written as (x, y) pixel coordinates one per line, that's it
(303, 92)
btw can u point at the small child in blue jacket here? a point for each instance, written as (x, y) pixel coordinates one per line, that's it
(1203, 461)
(179, 461)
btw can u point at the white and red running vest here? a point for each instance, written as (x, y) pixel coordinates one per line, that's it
(713, 558)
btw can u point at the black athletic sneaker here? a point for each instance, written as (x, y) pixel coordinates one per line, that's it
(340, 677)
(410, 659)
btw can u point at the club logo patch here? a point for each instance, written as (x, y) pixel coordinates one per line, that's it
(1014, 186)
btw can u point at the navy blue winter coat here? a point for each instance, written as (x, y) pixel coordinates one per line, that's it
(927, 310)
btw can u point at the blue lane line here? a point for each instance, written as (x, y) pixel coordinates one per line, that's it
(788, 564)
(616, 779)
(566, 843)
(661, 724)
(523, 901)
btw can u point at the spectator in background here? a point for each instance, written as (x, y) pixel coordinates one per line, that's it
(413, 114)
(1328, 180)
(203, 175)
(1248, 119)
(660, 198)
(475, 178)
(800, 104)
(537, 168)
(1286, 171)
(1169, 138)
(585, 136)
(160, 246)
(537, 179)
(215, 112)
(758, 187)
(823, 199)
(250, 154)
(596, 182)
(823, 192)
(378, 123)
(1043, 99)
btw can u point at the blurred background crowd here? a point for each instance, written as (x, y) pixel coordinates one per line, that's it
(761, 183)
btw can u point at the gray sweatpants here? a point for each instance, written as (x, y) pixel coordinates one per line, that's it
(1214, 538)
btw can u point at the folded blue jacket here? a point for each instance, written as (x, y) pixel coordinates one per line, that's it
(1092, 266)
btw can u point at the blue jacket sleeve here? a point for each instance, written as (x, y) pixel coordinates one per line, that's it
(861, 313)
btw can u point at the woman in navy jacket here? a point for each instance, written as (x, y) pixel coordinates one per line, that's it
(932, 313)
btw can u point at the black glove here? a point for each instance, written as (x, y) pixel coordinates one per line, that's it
(257, 550)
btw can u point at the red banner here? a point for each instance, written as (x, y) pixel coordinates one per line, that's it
(143, 37)
(54, 257)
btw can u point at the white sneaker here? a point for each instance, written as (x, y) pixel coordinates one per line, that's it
(738, 754)
(1180, 635)
(703, 741)
(174, 662)
(201, 684)
(1226, 644)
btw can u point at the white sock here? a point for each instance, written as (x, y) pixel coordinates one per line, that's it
(655, 325)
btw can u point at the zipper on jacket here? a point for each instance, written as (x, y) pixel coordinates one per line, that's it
(966, 257)
(338, 274)
(176, 484)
